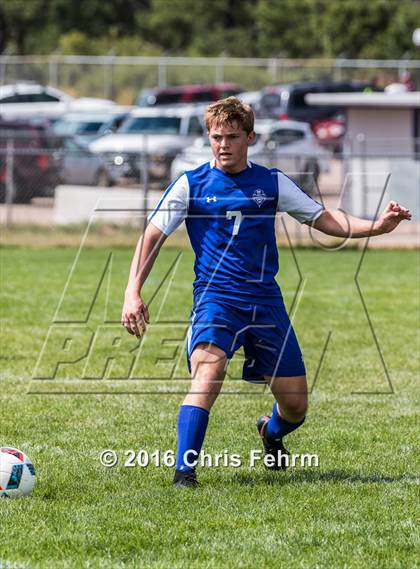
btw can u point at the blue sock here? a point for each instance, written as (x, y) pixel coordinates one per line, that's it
(277, 427)
(192, 425)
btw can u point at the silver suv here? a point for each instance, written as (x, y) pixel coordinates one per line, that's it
(150, 136)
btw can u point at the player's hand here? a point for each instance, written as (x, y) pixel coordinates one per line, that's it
(135, 315)
(392, 215)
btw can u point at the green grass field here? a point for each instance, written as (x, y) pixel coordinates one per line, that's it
(357, 509)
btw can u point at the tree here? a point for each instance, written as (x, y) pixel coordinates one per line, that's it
(376, 29)
(169, 24)
(289, 27)
(21, 19)
(242, 28)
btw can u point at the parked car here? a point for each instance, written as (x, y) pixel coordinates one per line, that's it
(28, 149)
(254, 100)
(186, 94)
(80, 166)
(29, 99)
(25, 93)
(287, 145)
(330, 131)
(88, 125)
(156, 134)
(288, 101)
(112, 124)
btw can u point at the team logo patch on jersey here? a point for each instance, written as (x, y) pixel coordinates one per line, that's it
(259, 197)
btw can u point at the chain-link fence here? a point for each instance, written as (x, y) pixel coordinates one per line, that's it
(32, 168)
(121, 78)
(45, 179)
(376, 170)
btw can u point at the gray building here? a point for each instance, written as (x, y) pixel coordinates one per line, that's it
(381, 149)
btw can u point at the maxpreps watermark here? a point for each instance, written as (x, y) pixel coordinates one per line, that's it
(143, 458)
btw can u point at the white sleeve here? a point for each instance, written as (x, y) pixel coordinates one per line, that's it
(172, 208)
(295, 201)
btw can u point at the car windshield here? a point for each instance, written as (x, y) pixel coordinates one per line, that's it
(68, 128)
(112, 125)
(151, 125)
(89, 127)
(271, 100)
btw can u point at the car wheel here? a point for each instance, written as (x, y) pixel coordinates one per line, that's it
(103, 179)
(309, 179)
(23, 192)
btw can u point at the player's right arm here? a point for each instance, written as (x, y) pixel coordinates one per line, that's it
(135, 313)
(170, 212)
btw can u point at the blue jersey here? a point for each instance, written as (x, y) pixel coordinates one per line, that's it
(230, 219)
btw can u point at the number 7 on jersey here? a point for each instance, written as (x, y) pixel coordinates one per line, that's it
(237, 215)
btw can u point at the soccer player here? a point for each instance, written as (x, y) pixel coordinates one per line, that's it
(229, 206)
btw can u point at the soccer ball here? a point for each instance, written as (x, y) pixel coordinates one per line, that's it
(17, 473)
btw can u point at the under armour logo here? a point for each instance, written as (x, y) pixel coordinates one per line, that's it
(211, 199)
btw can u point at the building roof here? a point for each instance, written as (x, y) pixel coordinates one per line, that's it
(385, 100)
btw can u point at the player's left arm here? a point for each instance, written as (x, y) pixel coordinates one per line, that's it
(341, 224)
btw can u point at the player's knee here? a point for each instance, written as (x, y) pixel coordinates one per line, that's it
(295, 408)
(207, 381)
(208, 372)
(204, 390)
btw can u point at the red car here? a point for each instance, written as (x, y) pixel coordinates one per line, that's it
(34, 161)
(186, 94)
(330, 132)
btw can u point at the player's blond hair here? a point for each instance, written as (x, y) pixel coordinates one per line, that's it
(228, 111)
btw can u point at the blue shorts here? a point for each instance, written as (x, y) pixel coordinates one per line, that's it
(265, 332)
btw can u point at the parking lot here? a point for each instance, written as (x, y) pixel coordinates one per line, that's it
(40, 212)
(50, 140)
